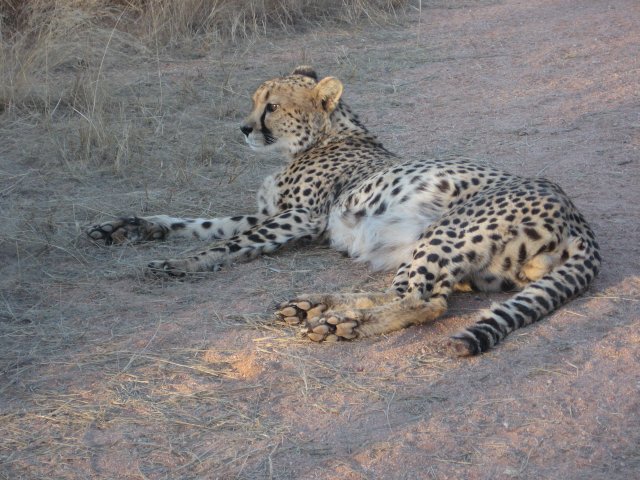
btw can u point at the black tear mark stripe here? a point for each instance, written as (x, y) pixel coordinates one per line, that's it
(266, 133)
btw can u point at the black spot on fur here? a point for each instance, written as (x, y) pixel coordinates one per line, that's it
(381, 209)
(482, 336)
(443, 186)
(507, 318)
(532, 233)
(522, 253)
(493, 323)
(542, 302)
(523, 309)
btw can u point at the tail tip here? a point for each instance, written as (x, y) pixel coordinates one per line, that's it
(462, 345)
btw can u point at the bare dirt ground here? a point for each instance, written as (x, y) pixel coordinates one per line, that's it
(108, 373)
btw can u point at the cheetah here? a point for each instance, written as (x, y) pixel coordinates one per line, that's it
(444, 225)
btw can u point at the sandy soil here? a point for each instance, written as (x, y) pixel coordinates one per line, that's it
(107, 373)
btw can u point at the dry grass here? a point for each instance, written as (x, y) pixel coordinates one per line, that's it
(41, 38)
(90, 106)
(55, 56)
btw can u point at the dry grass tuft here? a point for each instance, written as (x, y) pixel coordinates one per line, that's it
(95, 365)
(55, 55)
(42, 37)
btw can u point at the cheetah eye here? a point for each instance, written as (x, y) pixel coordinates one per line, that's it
(272, 107)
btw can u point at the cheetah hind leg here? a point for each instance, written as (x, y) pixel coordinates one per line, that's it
(543, 263)
(307, 307)
(348, 324)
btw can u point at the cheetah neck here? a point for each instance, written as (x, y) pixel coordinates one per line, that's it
(343, 122)
(342, 126)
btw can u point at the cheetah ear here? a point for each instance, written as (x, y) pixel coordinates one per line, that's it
(328, 92)
(305, 71)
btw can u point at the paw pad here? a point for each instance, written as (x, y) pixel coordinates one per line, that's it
(295, 312)
(331, 328)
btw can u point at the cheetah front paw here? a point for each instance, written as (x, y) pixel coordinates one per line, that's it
(173, 268)
(127, 229)
(296, 311)
(320, 324)
(334, 326)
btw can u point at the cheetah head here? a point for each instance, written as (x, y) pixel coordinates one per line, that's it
(291, 113)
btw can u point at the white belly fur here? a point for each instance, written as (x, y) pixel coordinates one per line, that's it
(385, 241)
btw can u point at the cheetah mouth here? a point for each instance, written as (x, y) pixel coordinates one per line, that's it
(253, 144)
(256, 146)
(261, 142)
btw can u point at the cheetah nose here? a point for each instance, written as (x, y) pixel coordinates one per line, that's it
(246, 129)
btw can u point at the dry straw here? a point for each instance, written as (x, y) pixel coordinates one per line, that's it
(93, 123)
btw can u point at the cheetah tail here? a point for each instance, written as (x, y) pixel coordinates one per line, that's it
(536, 300)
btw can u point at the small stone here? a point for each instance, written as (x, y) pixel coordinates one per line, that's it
(316, 337)
(332, 320)
(292, 320)
(332, 338)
